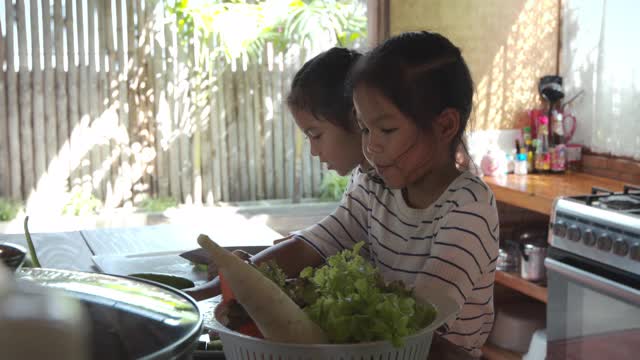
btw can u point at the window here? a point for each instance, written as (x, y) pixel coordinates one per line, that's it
(598, 56)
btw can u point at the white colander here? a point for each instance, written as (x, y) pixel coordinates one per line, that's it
(237, 346)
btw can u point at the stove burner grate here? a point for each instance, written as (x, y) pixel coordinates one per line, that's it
(618, 202)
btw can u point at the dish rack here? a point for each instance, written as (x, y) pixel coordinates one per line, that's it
(238, 346)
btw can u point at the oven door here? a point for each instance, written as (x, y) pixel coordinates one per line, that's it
(591, 315)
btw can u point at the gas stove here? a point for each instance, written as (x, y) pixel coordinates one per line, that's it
(603, 227)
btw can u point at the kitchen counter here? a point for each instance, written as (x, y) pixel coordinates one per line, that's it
(536, 192)
(75, 250)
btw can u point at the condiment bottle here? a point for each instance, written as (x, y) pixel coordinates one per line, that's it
(557, 148)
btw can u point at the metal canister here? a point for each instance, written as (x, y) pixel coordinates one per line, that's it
(532, 262)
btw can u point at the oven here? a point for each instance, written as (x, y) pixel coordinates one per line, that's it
(592, 313)
(593, 270)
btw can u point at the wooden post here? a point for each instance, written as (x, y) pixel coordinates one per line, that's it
(241, 121)
(289, 130)
(62, 108)
(317, 169)
(72, 90)
(12, 106)
(252, 163)
(50, 118)
(214, 124)
(174, 148)
(278, 128)
(306, 177)
(223, 136)
(124, 137)
(257, 129)
(161, 105)
(131, 99)
(111, 103)
(102, 103)
(93, 87)
(195, 112)
(145, 54)
(39, 144)
(232, 131)
(144, 114)
(267, 78)
(85, 138)
(184, 124)
(298, 177)
(206, 92)
(5, 175)
(26, 103)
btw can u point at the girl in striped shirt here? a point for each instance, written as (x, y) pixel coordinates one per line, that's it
(424, 222)
(322, 107)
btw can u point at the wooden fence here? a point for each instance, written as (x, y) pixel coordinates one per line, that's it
(102, 97)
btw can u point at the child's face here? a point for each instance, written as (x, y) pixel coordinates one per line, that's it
(335, 146)
(401, 152)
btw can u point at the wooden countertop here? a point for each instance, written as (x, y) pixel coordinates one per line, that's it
(537, 192)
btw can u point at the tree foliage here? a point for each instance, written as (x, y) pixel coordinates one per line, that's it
(243, 28)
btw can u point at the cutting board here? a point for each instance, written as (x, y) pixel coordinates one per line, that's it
(168, 262)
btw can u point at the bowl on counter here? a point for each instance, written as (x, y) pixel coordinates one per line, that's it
(416, 346)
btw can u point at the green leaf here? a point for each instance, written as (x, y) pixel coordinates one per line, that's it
(353, 306)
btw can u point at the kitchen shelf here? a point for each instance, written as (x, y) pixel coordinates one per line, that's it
(536, 192)
(492, 352)
(515, 282)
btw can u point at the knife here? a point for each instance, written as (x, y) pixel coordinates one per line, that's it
(201, 256)
(198, 256)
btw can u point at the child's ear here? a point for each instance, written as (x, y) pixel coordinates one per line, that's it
(447, 124)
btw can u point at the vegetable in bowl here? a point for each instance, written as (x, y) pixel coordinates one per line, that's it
(348, 299)
(353, 304)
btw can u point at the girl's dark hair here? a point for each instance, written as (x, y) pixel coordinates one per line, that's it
(422, 74)
(319, 87)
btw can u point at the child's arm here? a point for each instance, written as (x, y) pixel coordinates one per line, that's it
(463, 253)
(340, 230)
(292, 256)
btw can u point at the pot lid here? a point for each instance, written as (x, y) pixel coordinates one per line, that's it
(129, 318)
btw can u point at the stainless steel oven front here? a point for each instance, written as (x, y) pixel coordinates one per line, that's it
(593, 310)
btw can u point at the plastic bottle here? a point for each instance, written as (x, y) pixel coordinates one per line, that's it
(557, 147)
(543, 160)
(521, 164)
(529, 148)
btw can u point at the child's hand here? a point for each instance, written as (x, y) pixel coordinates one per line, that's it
(212, 288)
(212, 269)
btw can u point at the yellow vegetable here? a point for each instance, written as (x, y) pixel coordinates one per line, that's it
(275, 314)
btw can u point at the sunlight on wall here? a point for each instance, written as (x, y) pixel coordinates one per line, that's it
(508, 46)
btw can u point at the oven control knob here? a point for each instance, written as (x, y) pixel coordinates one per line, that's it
(634, 252)
(604, 242)
(620, 247)
(589, 238)
(573, 233)
(560, 229)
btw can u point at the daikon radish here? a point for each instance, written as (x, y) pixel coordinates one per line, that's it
(276, 315)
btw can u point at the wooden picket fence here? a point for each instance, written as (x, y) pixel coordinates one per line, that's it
(101, 96)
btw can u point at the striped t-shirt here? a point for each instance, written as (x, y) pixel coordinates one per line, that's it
(451, 246)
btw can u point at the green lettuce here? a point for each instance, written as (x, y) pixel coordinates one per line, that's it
(352, 304)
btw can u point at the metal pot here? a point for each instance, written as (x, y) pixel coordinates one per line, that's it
(532, 262)
(508, 257)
